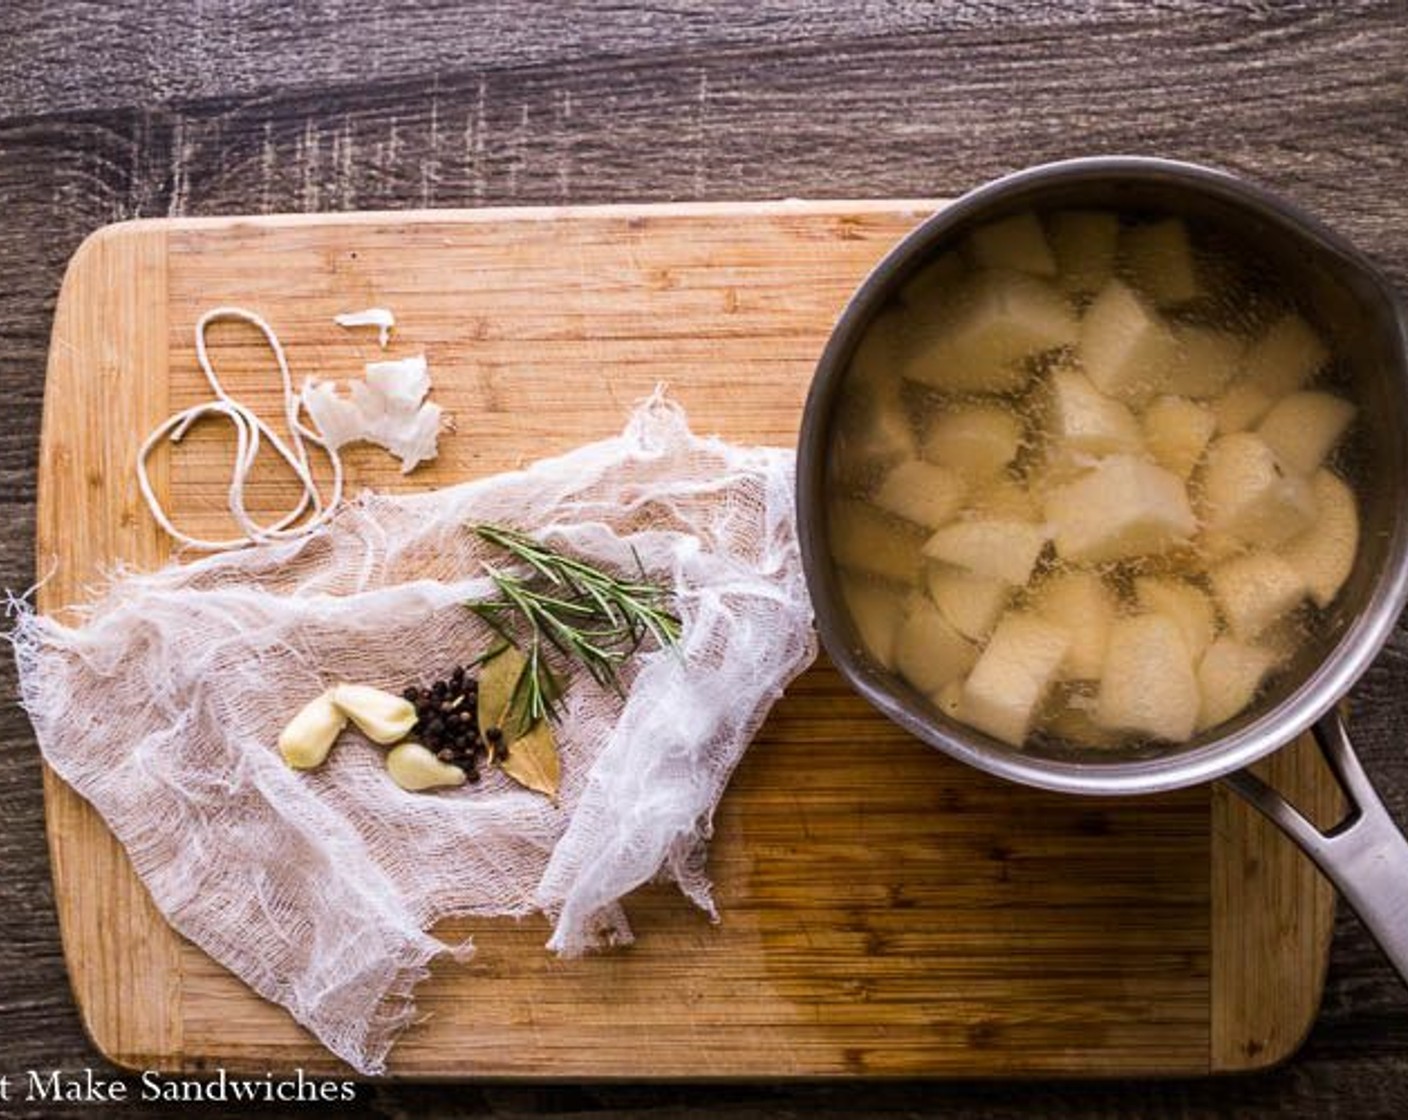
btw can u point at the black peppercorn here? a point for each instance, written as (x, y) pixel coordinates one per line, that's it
(447, 723)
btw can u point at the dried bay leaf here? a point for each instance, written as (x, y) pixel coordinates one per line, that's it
(533, 762)
(532, 759)
(496, 683)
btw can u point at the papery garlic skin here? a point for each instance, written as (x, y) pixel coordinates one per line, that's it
(379, 317)
(414, 768)
(388, 409)
(401, 382)
(308, 737)
(380, 716)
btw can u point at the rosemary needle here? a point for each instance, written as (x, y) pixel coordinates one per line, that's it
(587, 615)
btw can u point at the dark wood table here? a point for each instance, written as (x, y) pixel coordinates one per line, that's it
(132, 109)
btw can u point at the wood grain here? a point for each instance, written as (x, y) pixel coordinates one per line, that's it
(109, 351)
(238, 47)
(900, 99)
(1287, 930)
(886, 912)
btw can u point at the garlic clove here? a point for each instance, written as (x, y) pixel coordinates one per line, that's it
(380, 716)
(413, 767)
(308, 737)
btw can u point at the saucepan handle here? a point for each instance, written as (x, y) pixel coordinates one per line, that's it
(1365, 855)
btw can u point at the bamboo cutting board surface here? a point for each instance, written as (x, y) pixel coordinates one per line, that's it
(885, 911)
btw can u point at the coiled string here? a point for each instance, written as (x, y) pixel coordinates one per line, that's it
(310, 510)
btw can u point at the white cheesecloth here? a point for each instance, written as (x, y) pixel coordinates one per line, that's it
(163, 707)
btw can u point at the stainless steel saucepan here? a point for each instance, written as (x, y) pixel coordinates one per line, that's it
(1365, 855)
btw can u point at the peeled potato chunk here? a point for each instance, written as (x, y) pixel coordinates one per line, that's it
(865, 540)
(1078, 419)
(1283, 359)
(1077, 725)
(1241, 407)
(876, 611)
(1185, 604)
(1124, 507)
(1001, 550)
(949, 699)
(1255, 590)
(1304, 427)
(1324, 554)
(1017, 243)
(865, 449)
(1126, 346)
(1229, 676)
(1287, 357)
(1176, 432)
(1205, 361)
(980, 340)
(1160, 261)
(971, 604)
(874, 365)
(1084, 243)
(928, 651)
(922, 493)
(1249, 495)
(874, 430)
(1004, 499)
(933, 285)
(1214, 547)
(1007, 685)
(977, 442)
(1081, 604)
(1147, 685)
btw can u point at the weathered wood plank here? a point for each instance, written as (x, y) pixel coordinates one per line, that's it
(231, 48)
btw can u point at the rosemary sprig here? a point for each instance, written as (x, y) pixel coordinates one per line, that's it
(587, 615)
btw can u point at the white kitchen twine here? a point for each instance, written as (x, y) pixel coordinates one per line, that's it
(249, 430)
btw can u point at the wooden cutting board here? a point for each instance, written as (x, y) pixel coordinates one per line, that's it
(886, 912)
